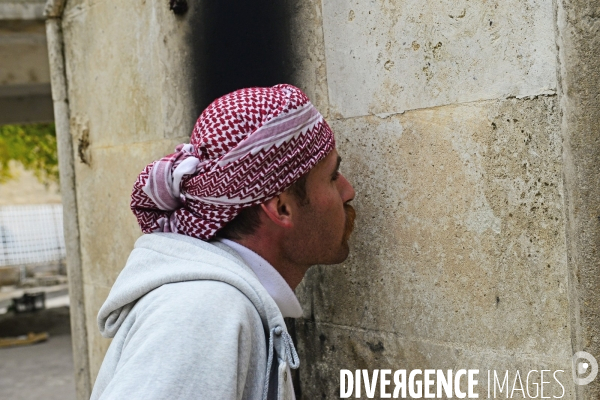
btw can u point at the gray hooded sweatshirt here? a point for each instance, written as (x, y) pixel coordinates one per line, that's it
(190, 320)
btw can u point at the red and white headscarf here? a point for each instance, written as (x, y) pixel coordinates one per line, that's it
(246, 148)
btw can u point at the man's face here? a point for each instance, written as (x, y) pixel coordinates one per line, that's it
(322, 227)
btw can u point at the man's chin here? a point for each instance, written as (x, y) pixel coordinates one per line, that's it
(346, 253)
(343, 253)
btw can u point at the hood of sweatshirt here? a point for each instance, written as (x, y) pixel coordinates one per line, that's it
(161, 258)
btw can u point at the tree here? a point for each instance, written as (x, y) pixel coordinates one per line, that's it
(31, 145)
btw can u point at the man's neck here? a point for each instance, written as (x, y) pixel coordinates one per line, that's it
(292, 273)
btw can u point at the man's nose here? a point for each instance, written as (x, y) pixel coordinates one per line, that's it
(346, 190)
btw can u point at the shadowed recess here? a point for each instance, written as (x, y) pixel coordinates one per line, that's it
(237, 44)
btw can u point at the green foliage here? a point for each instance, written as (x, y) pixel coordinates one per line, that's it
(31, 145)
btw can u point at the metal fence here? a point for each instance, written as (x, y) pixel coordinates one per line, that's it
(31, 234)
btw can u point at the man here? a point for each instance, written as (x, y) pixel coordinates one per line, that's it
(233, 221)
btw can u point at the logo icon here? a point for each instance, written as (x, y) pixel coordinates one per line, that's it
(582, 361)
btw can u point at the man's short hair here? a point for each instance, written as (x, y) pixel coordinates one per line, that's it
(248, 220)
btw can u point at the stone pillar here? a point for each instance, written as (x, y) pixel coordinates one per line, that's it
(579, 57)
(131, 84)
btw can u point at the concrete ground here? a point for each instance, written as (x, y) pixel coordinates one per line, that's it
(38, 371)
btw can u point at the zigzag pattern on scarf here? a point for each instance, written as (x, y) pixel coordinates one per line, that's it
(254, 176)
(214, 195)
(246, 181)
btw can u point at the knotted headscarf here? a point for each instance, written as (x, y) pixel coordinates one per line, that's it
(246, 148)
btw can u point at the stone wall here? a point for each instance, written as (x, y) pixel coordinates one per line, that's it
(453, 134)
(468, 130)
(130, 103)
(459, 257)
(579, 43)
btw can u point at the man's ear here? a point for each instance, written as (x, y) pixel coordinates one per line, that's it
(279, 210)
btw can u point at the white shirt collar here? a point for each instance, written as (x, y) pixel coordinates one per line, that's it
(272, 281)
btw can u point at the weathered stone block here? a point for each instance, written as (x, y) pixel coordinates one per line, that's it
(578, 42)
(95, 295)
(325, 349)
(108, 228)
(308, 52)
(387, 57)
(460, 232)
(149, 95)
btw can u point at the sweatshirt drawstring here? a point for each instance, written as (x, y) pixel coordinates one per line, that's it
(290, 354)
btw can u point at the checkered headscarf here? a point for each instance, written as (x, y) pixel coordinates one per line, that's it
(246, 148)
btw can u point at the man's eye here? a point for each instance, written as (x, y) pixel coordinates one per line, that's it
(335, 176)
